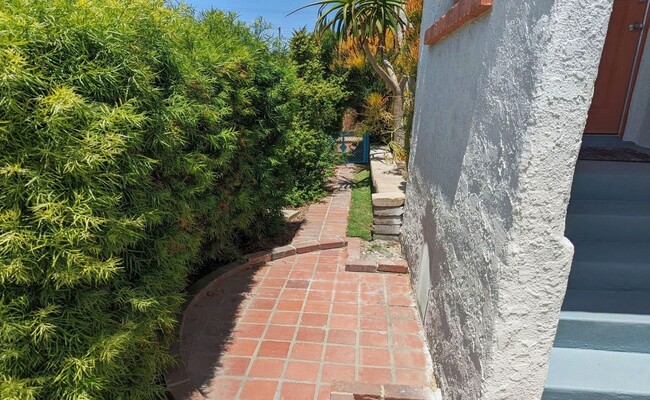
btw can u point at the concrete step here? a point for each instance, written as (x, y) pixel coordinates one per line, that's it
(608, 221)
(604, 331)
(611, 181)
(610, 276)
(602, 301)
(576, 374)
(611, 266)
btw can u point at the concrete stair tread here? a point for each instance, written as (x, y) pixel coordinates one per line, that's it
(597, 374)
(604, 301)
(606, 207)
(612, 168)
(612, 252)
(604, 331)
(605, 317)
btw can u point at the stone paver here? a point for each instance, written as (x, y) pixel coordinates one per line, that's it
(293, 327)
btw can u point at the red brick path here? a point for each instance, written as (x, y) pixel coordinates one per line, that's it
(291, 328)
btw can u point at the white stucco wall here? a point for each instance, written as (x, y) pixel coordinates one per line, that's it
(637, 128)
(500, 109)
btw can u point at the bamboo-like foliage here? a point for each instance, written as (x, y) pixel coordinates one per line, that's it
(135, 142)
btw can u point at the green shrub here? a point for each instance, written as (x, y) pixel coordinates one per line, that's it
(137, 141)
(318, 102)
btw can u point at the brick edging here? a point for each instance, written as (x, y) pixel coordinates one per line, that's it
(354, 263)
(201, 288)
(458, 15)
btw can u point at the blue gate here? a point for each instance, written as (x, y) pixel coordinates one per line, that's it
(354, 148)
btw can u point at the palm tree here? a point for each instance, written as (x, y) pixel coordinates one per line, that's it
(375, 26)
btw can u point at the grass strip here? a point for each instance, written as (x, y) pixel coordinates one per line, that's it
(360, 219)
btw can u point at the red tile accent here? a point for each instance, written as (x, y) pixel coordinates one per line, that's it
(458, 15)
(298, 284)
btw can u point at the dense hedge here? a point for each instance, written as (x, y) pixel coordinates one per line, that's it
(318, 98)
(135, 142)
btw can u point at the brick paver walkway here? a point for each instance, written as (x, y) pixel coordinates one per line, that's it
(291, 328)
(329, 218)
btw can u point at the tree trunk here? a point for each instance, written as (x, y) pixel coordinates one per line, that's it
(399, 134)
(396, 86)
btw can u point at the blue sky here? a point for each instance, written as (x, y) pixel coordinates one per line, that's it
(273, 11)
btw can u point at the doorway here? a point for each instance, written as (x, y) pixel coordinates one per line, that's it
(618, 67)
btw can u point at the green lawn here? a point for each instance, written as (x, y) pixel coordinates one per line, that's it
(360, 220)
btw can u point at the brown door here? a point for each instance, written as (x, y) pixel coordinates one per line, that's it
(617, 67)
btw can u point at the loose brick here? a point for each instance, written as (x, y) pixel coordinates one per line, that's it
(282, 252)
(398, 267)
(332, 244)
(260, 257)
(307, 247)
(361, 266)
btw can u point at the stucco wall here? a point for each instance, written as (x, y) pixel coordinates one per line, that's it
(637, 128)
(500, 109)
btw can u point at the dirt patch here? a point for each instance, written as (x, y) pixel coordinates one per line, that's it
(381, 250)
